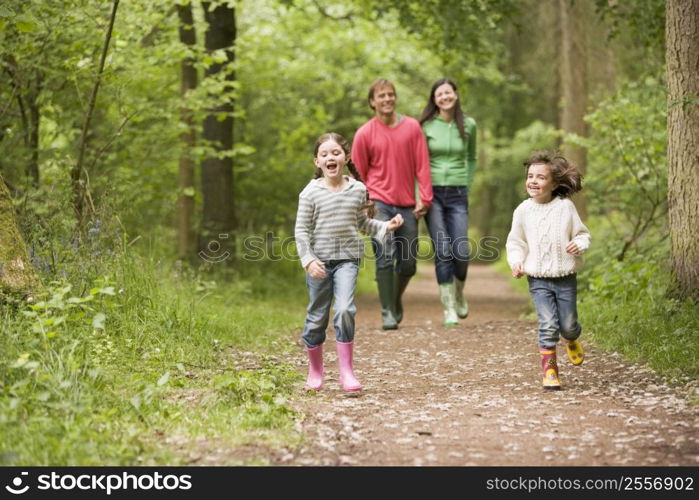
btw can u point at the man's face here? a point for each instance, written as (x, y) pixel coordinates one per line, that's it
(384, 100)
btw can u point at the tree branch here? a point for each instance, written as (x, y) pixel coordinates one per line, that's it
(78, 190)
(11, 69)
(111, 140)
(149, 39)
(633, 171)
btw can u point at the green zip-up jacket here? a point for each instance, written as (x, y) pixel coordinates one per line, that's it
(452, 162)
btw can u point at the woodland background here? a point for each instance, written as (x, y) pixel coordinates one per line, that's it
(153, 153)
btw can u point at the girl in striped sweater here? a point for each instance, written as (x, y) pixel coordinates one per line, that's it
(332, 210)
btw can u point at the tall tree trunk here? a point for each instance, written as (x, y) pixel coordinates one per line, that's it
(682, 61)
(79, 176)
(573, 71)
(33, 136)
(185, 204)
(17, 275)
(28, 104)
(217, 171)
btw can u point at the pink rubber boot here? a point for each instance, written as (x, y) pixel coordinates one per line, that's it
(344, 357)
(314, 382)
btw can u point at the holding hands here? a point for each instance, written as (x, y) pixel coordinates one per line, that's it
(395, 223)
(316, 268)
(420, 210)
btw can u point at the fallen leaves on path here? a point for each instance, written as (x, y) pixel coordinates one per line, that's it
(471, 395)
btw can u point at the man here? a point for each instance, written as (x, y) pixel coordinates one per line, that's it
(390, 153)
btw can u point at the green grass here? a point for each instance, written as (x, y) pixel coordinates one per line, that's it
(626, 309)
(150, 365)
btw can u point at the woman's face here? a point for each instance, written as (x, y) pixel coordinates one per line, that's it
(445, 97)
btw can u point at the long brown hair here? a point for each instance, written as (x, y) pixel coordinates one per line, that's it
(431, 108)
(345, 145)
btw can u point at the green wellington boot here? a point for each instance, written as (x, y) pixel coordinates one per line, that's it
(401, 285)
(461, 304)
(448, 296)
(385, 281)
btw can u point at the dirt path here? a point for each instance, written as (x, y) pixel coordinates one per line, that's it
(471, 395)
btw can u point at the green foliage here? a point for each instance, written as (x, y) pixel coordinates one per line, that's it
(131, 359)
(450, 25)
(626, 179)
(134, 134)
(303, 74)
(626, 309)
(646, 18)
(623, 286)
(499, 188)
(94, 377)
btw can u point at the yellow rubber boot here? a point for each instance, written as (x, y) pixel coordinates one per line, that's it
(575, 352)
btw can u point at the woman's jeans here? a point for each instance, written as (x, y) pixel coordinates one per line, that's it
(447, 222)
(339, 282)
(400, 246)
(555, 300)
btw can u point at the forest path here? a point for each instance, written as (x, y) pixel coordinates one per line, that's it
(471, 394)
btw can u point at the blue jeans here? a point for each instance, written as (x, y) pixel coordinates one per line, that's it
(339, 282)
(400, 246)
(555, 300)
(447, 222)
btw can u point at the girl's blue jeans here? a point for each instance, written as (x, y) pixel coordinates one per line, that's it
(555, 301)
(339, 282)
(400, 248)
(447, 222)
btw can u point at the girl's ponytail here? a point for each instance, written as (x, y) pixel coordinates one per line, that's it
(369, 206)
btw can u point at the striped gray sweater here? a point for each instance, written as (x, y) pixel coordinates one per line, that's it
(328, 224)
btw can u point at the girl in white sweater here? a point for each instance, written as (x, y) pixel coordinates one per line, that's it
(545, 243)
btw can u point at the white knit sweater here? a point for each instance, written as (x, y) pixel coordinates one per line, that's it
(539, 235)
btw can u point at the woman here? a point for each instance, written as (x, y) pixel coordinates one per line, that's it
(451, 140)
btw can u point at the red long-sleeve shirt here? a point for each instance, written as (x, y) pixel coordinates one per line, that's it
(389, 159)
